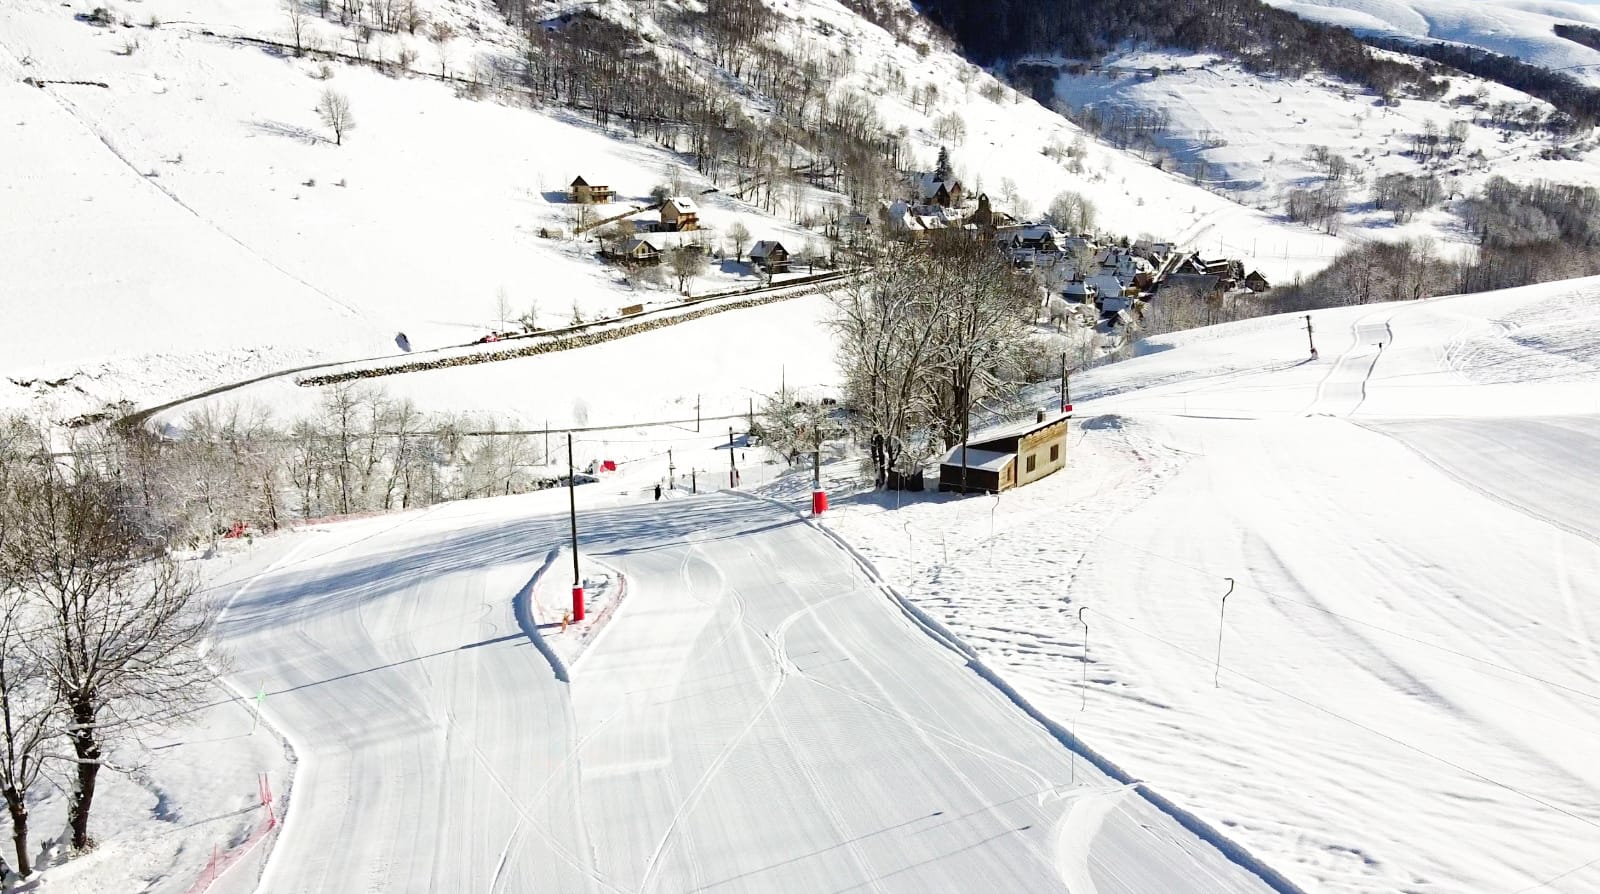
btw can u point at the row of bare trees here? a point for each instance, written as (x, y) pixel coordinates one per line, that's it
(99, 628)
(359, 451)
(929, 334)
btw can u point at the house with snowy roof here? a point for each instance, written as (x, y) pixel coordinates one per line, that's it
(932, 190)
(1007, 457)
(680, 213)
(770, 256)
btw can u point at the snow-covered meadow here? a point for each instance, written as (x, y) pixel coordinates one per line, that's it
(1408, 685)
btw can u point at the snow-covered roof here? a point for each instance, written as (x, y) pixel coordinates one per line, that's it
(657, 241)
(1015, 429)
(984, 460)
(928, 184)
(683, 205)
(1105, 283)
(765, 247)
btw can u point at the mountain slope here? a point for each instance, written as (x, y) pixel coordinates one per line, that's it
(239, 239)
(1509, 27)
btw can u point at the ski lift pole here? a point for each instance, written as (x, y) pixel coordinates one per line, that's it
(1216, 676)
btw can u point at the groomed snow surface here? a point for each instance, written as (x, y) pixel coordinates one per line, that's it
(758, 716)
(1409, 686)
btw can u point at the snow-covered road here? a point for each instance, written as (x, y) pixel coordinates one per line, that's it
(757, 717)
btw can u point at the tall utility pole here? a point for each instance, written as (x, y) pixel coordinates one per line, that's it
(697, 412)
(733, 470)
(1309, 340)
(672, 479)
(1066, 393)
(750, 414)
(547, 441)
(572, 506)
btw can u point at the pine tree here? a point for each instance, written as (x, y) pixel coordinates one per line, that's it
(942, 173)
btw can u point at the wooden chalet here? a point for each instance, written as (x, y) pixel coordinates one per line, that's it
(1010, 457)
(641, 251)
(770, 255)
(585, 193)
(680, 213)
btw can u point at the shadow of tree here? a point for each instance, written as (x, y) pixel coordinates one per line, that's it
(291, 131)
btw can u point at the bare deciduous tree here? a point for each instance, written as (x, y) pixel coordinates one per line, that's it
(739, 236)
(502, 307)
(121, 620)
(27, 701)
(441, 34)
(298, 22)
(334, 107)
(686, 262)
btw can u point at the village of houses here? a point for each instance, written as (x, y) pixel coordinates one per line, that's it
(1085, 278)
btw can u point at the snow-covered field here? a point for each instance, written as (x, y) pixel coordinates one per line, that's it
(1409, 687)
(193, 222)
(726, 363)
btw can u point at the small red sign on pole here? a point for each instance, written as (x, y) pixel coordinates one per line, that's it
(819, 501)
(577, 604)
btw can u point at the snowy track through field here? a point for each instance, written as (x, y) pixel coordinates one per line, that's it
(756, 718)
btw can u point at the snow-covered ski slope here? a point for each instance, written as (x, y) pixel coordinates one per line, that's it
(1519, 28)
(756, 717)
(1409, 686)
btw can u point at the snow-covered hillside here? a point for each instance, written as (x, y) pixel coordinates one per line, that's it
(1407, 689)
(1519, 28)
(1259, 137)
(191, 223)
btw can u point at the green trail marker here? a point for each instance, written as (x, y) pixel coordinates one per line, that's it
(261, 696)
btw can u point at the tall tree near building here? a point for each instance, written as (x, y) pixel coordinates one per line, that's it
(739, 235)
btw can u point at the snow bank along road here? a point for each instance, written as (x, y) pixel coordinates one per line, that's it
(757, 717)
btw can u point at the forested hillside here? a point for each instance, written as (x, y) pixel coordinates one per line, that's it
(1265, 39)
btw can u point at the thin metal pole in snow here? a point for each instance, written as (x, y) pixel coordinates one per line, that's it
(1217, 675)
(1084, 687)
(992, 510)
(572, 506)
